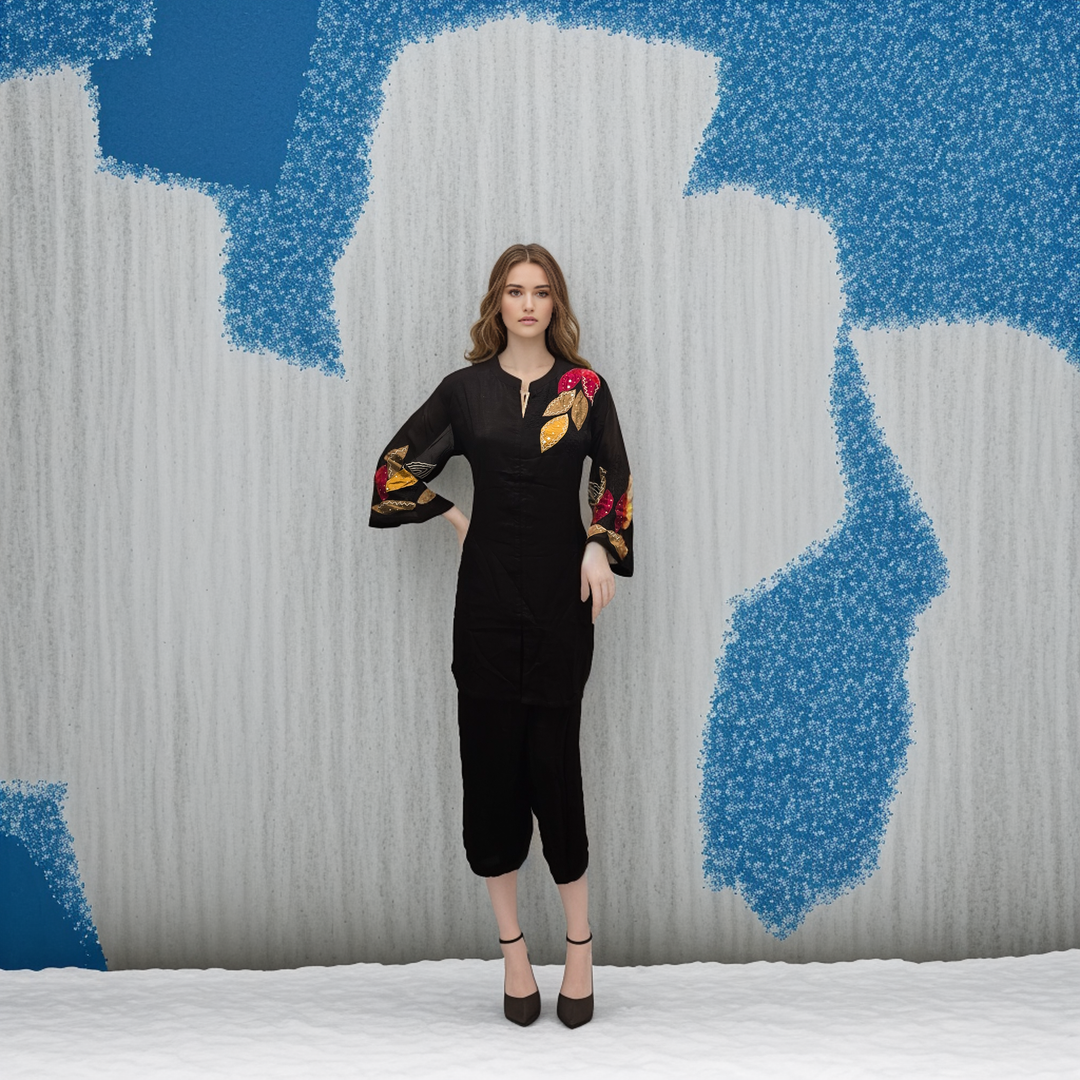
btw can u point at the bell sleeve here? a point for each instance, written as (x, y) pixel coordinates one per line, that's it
(414, 456)
(611, 487)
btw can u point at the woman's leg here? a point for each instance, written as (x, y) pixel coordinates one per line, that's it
(557, 797)
(577, 977)
(503, 893)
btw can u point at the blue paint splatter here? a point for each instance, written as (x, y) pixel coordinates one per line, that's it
(45, 899)
(808, 729)
(939, 140)
(40, 37)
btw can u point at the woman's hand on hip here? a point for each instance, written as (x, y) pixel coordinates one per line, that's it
(596, 578)
(459, 521)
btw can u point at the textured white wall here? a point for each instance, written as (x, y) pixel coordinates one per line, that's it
(202, 637)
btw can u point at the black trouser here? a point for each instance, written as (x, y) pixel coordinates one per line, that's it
(517, 760)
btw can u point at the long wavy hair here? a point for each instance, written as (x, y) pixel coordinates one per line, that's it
(489, 331)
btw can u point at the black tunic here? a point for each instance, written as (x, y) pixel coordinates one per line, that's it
(521, 630)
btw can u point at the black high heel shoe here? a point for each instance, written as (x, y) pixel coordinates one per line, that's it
(522, 1010)
(574, 1012)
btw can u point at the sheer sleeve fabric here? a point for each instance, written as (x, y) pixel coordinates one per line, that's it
(611, 487)
(414, 456)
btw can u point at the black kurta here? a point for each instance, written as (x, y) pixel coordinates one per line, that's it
(521, 630)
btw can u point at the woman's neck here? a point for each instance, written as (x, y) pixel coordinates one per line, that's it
(525, 359)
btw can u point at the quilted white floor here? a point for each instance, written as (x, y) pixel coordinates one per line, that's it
(1014, 1017)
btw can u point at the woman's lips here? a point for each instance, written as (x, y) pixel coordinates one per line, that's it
(527, 320)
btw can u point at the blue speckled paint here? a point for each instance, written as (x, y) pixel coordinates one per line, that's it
(38, 36)
(808, 729)
(45, 920)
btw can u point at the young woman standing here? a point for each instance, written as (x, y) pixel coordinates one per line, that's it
(526, 413)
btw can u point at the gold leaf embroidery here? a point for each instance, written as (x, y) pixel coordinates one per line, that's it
(552, 432)
(397, 475)
(629, 501)
(596, 490)
(400, 479)
(560, 404)
(618, 542)
(390, 505)
(580, 410)
(427, 496)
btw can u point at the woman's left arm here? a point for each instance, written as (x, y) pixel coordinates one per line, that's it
(611, 494)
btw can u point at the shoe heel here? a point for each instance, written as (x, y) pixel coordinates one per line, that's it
(520, 1010)
(574, 1012)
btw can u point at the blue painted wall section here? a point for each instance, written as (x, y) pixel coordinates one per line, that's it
(216, 100)
(45, 920)
(807, 733)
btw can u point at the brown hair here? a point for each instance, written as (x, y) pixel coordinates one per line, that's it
(489, 331)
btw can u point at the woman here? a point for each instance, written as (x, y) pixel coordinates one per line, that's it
(531, 583)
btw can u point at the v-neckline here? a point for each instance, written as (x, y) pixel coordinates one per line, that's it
(524, 396)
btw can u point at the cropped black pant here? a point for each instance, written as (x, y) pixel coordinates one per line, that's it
(517, 760)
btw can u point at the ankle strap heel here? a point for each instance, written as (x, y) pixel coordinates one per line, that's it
(574, 1012)
(521, 1010)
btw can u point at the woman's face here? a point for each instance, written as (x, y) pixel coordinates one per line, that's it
(527, 303)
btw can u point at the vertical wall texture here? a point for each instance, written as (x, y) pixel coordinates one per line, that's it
(203, 640)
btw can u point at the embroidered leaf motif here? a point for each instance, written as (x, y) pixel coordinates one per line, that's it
(595, 489)
(419, 469)
(590, 383)
(380, 481)
(618, 542)
(399, 479)
(560, 404)
(397, 475)
(552, 432)
(427, 496)
(570, 379)
(391, 505)
(603, 506)
(622, 512)
(580, 410)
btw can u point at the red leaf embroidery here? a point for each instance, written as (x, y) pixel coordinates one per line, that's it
(621, 520)
(603, 506)
(570, 379)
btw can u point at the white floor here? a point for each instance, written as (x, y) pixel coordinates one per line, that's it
(1015, 1017)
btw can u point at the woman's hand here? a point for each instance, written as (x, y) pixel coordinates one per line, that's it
(459, 521)
(596, 577)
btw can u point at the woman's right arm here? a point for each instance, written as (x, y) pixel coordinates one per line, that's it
(459, 521)
(415, 455)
